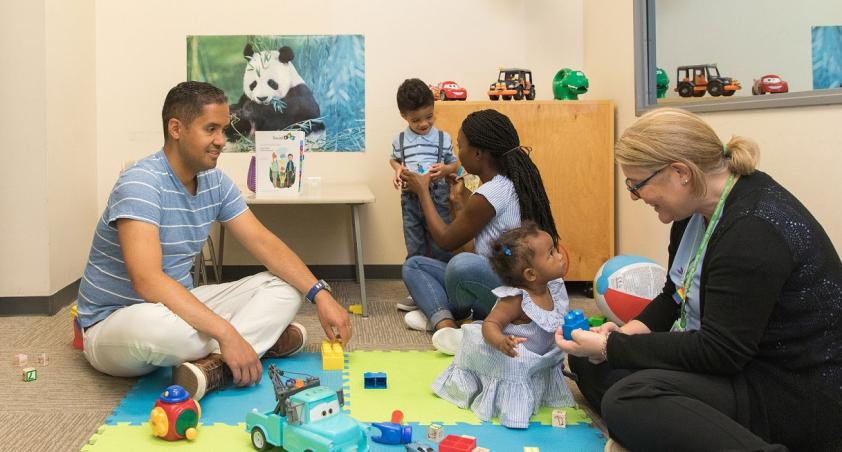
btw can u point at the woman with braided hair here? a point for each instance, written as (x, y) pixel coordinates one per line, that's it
(511, 191)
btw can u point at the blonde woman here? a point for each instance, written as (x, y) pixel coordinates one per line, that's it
(743, 348)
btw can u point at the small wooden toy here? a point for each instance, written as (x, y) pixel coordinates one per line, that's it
(559, 418)
(20, 359)
(41, 359)
(531, 449)
(333, 358)
(435, 433)
(30, 374)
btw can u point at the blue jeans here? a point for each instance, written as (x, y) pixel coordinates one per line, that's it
(455, 290)
(415, 234)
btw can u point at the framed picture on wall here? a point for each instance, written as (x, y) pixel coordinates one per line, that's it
(309, 83)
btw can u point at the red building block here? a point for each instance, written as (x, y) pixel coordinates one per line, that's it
(454, 443)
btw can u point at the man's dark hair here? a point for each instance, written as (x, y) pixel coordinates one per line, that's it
(494, 133)
(414, 94)
(186, 100)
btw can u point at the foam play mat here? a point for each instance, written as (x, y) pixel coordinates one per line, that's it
(409, 374)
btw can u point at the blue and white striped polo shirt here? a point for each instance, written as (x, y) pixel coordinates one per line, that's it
(500, 193)
(149, 191)
(422, 149)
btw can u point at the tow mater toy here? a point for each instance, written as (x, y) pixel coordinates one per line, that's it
(449, 90)
(175, 415)
(695, 80)
(769, 83)
(308, 417)
(512, 84)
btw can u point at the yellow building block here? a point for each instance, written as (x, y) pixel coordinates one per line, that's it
(333, 357)
(356, 309)
(530, 449)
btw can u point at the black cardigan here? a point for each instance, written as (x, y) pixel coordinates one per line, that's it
(771, 307)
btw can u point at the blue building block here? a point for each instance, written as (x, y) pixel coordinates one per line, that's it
(374, 380)
(574, 320)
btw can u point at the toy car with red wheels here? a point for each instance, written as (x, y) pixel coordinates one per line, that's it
(697, 79)
(769, 83)
(449, 90)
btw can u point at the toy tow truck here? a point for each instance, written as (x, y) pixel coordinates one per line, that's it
(307, 418)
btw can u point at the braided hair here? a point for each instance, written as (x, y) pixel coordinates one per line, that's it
(494, 133)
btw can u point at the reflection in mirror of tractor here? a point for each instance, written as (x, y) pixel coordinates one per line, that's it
(568, 84)
(694, 80)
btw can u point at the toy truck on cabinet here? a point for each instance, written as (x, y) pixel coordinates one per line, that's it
(307, 418)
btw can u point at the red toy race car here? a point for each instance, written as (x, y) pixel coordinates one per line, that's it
(449, 91)
(769, 83)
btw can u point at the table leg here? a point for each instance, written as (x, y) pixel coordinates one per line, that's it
(358, 255)
(221, 250)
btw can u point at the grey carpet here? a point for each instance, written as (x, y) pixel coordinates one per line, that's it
(70, 400)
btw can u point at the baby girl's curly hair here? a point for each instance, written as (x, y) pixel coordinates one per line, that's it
(511, 254)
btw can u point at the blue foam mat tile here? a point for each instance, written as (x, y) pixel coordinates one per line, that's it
(573, 438)
(227, 407)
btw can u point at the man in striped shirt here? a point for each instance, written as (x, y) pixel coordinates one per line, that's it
(137, 306)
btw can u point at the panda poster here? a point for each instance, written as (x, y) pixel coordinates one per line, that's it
(279, 162)
(314, 84)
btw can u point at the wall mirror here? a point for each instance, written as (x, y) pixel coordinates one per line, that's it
(734, 55)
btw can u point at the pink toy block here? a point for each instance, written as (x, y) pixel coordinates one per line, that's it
(20, 359)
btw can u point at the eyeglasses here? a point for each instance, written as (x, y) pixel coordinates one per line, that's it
(635, 188)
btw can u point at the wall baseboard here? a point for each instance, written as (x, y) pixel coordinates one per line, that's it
(46, 305)
(330, 272)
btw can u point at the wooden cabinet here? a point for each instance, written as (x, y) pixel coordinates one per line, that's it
(572, 145)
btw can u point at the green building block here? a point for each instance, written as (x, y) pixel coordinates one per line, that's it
(596, 320)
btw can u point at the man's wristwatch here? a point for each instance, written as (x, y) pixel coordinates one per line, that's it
(320, 284)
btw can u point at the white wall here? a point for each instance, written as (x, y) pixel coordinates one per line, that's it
(48, 175)
(141, 53)
(71, 137)
(746, 38)
(799, 146)
(24, 253)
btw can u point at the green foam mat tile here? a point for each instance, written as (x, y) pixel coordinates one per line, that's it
(124, 437)
(409, 375)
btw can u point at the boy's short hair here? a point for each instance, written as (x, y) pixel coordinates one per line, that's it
(186, 100)
(414, 94)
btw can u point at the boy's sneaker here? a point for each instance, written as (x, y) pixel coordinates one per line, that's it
(203, 375)
(292, 341)
(447, 340)
(407, 305)
(416, 320)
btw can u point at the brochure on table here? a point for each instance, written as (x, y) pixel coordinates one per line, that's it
(279, 163)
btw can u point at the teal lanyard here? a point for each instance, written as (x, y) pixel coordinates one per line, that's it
(690, 270)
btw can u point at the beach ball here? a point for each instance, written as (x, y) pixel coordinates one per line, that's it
(625, 284)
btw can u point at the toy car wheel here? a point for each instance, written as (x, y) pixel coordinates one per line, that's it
(729, 92)
(715, 88)
(507, 97)
(519, 94)
(493, 97)
(685, 90)
(258, 439)
(531, 94)
(442, 96)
